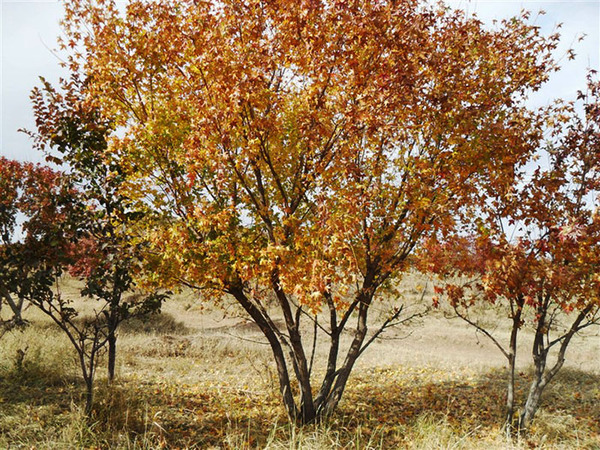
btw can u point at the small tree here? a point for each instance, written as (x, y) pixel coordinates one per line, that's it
(88, 334)
(26, 192)
(74, 134)
(34, 258)
(54, 238)
(294, 154)
(547, 275)
(11, 184)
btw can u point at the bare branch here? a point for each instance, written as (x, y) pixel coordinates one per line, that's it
(482, 330)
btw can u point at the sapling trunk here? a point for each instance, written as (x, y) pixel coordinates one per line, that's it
(532, 404)
(89, 397)
(112, 355)
(510, 393)
(88, 370)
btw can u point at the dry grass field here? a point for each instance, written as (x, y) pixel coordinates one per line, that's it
(197, 376)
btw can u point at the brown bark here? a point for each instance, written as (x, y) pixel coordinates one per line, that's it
(307, 406)
(15, 307)
(364, 299)
(112, 355)
(517, 310)
(330, 371)
(266, 328)
(311, 408)
(542, 375)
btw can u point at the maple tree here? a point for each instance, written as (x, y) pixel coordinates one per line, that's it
(55, 235)
(22, 185)
(10, 182)
(294, 154)
(74, 221)
(34, 255)
(535, 247)
(74, 135)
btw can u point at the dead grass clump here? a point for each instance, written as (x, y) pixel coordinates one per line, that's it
(27, 360)
(120, 409)
(158, 323)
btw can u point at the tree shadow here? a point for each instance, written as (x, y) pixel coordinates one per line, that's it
(31, 382)
(471, 403)
(383, 404)
(156, 323)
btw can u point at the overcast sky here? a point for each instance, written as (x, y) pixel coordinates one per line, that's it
(30, 28)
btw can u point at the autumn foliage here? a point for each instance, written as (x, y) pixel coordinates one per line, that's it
(72, 221)
(74, 134)
(33, 204)
(536, 248)
(294, 154)
(300, 158)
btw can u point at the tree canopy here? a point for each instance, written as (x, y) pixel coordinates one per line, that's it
(535, 248)
(294, 154)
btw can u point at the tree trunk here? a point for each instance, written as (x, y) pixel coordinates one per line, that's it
(112, 354)
(533, 403)
(334, 397)
(88, 376)
(89, 396)
(510, 395)
(285, 387)
(330, 372)
(511, 430)
(298, 355)
(311, 408)
(15, 307)
(336, 393)
(114, 318)
(112, 324)
(540, 357)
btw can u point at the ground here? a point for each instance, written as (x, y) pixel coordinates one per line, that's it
(198, 376)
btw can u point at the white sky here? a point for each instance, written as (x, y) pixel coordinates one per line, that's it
(29, 30)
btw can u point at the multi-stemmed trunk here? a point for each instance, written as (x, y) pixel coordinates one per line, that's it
(16, 308)
(88, 337)
(310, 406)
(517, 424)
(541, 347)
(88, 346)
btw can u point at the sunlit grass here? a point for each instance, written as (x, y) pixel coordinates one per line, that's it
(201, 379)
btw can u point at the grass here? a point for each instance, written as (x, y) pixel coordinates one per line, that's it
(202, 379)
